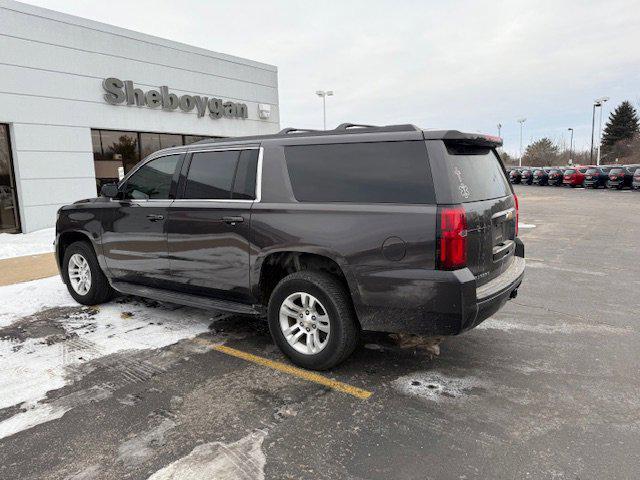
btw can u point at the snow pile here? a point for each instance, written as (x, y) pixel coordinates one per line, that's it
(24, 299)
(34, 362)
(21, 244)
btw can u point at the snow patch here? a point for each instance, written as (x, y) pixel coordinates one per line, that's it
(436, 386)
(32, 367)
(563, 328)
(38, 413)
(542, 264)
(139, 448)
(24, 299)
(218, 461)
(525, 225)
(21, 244)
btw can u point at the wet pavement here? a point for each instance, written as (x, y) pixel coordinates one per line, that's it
(547, 388)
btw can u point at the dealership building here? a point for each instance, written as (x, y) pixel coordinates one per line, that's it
(81, 102)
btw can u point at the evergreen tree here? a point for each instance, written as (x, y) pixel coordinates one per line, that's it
(541, 152)
(622, 125)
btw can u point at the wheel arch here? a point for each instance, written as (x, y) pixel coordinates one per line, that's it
(65, 239)
(279, 263)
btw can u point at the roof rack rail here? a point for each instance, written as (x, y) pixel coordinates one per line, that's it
(286, 131)
(346, 126)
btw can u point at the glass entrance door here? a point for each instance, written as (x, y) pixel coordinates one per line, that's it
(9, 220)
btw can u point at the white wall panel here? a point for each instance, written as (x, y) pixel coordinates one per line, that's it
(95, 37)
(18, 52)
(54, 164)
(46, 191)
(51, 138)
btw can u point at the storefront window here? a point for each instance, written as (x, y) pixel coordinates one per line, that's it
(189, 139)
(152, 142)
(116, 153)
(9, 221)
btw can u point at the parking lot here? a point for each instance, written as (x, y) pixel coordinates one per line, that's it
(547, 388)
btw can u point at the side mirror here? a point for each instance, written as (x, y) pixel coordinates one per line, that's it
(109, 190)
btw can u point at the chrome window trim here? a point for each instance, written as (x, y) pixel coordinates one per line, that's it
(153, 156)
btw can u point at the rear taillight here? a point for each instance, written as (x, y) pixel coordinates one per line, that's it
(453, 238)
(515, 199)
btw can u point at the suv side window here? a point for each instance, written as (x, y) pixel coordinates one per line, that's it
(211, 175)
(376, 172)
(222, 175)
(244, 185)
(152, 180)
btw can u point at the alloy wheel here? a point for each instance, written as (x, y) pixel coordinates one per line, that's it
(79, 274)
(304, 322)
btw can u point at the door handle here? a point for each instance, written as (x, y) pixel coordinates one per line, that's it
(155, 218)
(232, 220)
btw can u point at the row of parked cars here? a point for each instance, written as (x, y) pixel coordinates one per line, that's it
(588, 176)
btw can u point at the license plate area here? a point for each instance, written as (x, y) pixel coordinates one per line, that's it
(502, 231)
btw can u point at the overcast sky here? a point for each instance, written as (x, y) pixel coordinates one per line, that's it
(437, 64)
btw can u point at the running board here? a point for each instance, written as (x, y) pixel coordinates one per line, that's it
(186, 299)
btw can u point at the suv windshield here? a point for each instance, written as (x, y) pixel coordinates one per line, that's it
(475, 173)
(569, 171)
(592, 170)
(617, 170)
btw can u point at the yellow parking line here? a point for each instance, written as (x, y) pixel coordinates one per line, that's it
(296, 372)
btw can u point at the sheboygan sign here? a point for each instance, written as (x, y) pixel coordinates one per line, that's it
(119, 91)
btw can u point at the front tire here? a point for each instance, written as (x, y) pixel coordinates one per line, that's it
(83, 276)
(312, 320)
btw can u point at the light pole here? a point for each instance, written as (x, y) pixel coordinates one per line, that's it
(570, 146)
(499, 127)
(324, 94)
(602, 101)
(596, 103)
(521, 122)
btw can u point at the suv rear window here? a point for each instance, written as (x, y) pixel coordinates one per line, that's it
(376, 172)
(476, 173)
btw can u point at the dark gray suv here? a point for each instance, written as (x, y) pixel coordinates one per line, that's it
(326, 233)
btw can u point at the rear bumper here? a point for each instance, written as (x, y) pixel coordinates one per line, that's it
(429, 302)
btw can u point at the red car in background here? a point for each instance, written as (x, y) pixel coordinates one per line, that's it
(574, 176)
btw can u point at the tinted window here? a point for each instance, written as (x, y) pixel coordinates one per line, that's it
(245, 182)
(211, 175)
(152, 180)
(378, 172)
(476, 173)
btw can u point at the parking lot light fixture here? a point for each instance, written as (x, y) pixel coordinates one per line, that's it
(598, 102)
(521, 122)
(570, 146)
(603, 100)
(324, 94)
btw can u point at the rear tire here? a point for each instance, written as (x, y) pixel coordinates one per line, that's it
(83, 276)
(328, 318)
